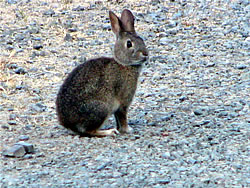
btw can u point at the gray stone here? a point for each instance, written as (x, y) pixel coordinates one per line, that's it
(163, 181)
(49, 12)
(15, 151)
(68, 37)
(165, 40)
(29, 148)
(79, 8)
(210, 64)
(12, 122)
(72, 29)
(198, 112)
(166, 155)
(38, 46)
(20, 70)
(23, 137)
(12, 1)
(241, 66)
(223, 113)
(38, 107)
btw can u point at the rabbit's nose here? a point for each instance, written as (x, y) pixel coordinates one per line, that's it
(145, 53)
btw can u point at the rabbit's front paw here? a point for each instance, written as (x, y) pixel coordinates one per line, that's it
(126, 130)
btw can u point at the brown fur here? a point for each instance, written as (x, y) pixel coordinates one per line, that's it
(100, 87)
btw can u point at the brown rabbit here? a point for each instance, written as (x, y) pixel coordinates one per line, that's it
(100, 87)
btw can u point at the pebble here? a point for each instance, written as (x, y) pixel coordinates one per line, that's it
(38, 46)
(68, 37)
(165, 41)
(12, 116)
(78, 8)
(223, 113)
(20, 70)
(29, 148)
(164, 181)
(241, 66)
(12, 1)
(49, 12)
(15, 151)
(5, 127)
(12, 122)
(72, 30)
(210, 64)
(198, 112)
(166, 155)
(38, 107)
(23, 137)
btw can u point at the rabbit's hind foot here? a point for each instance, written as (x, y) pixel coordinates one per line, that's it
(103, 133)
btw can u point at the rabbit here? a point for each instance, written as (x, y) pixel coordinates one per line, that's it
(104, 86)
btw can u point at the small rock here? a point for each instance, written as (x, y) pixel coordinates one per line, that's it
(19, 37)
(167, 118)
(79, 8)
(173, 31)
(183, 98)
(49, 12)
(35, 30)
(28, 156)
(34, 54)
(28, 127)
(12, 116)
(38, 46)
(106, 27)
(15, 151)
(23, 137)
(165, 40)
(155, 2)
(29, 148)
(164, 181)
(37, 38)
(43, 53)
(68, 37)
(82, 59)
(171, 24)
(4, 126)
(20, 70)
(198, 112)
(12, 66)
(166, 155)
(12, 1)
(210, 64)
(72, 30)
(182, 169)
(20, 87)
(38, 107)
(135, 137)
(241, 66)
(12, 122)
(223, 113)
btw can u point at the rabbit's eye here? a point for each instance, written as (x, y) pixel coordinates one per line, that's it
(129, 44)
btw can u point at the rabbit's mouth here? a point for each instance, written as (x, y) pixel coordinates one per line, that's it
(139, 62)
(142, 60)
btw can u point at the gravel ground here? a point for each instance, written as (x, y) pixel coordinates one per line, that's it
(190, 115)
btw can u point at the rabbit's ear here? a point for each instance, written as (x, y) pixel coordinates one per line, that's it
(116, 23)
(127, 19)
